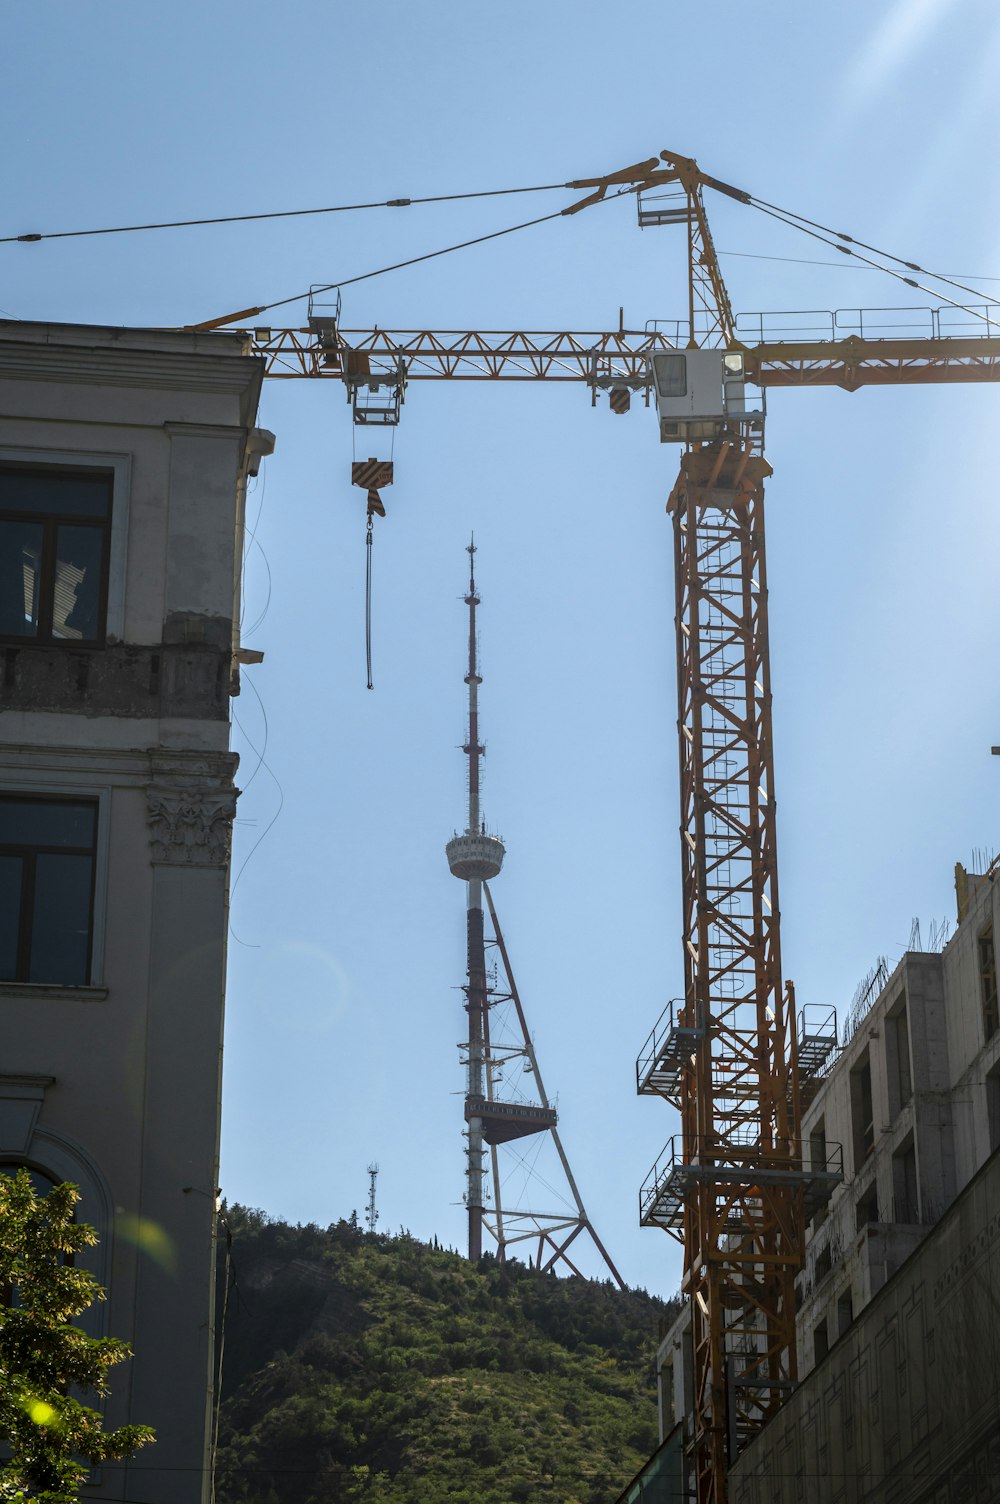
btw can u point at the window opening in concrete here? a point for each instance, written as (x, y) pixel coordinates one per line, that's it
(824, 1263)
(55, 534)
(817, 1148)
(897, 1046)
(867, 1210)
(47, 864)
(821, 1343)
(862, 1120)
(904, 1184)
(988, 982)
(845, 1312)
(993, 1107)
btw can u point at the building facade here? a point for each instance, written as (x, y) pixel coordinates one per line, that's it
(124, 457)
(905, 1115)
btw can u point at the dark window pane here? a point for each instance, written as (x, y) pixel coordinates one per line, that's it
(42, 1183)
(34, 822)
(671, 375)
(77, 591)
(55, 493)
(20, 560)
(11, 868)
(60, 931)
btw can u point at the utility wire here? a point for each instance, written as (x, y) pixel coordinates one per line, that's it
(238, 219)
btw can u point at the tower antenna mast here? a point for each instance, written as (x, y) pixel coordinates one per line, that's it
(491, 1121)
(474, 857)
(371, 1216)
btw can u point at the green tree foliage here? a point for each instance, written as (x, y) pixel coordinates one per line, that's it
(51, 1436)
(378, 1370)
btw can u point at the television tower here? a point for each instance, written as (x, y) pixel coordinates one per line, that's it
(491, 1120)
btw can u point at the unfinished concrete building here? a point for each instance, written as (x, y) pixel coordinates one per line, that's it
(898, 1324)
(124, 456)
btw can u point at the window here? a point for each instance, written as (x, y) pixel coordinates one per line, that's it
(845, 1312)
(821, 1344)
(671, 375)
(988, 982)
(47, 863)
(55, 537)
(993, 1108)
(904, 1184)
(867, 1210)
(897, 1047)
(42, 1183)
(817, 1148)
(862, 1119)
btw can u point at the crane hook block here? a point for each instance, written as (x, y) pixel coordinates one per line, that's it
(370, 474)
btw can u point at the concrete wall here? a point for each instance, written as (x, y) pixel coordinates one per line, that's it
(905, 1408)
(935, 1099)
(116, 1084)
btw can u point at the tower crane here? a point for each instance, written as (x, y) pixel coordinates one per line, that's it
(735, 1184)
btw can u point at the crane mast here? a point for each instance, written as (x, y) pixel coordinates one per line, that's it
(735, 1174)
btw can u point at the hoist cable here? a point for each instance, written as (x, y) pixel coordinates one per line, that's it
(236, 219)
(833, 237)
(368, 600)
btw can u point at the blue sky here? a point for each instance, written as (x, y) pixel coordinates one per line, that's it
(348, 947)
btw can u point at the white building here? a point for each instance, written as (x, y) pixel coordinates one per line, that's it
(124, 456)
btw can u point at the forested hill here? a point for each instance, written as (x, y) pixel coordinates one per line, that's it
(358, 1367)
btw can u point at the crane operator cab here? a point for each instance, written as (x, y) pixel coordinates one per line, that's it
(701, 394)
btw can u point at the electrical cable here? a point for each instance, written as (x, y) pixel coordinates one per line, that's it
(217, 1407)
(262, 763)
(234, 219)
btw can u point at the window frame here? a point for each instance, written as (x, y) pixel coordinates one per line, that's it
(118, 466)
(100, 797)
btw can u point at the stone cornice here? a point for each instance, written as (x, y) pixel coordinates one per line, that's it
(112, 358)
(138, 765)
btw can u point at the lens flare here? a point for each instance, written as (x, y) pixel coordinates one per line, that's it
(41, 1413)
(150, 1238)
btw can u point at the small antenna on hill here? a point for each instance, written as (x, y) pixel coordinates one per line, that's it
(371, 1216)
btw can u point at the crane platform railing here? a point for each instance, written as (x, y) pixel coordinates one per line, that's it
(980, 320)
(679, 1169)
(661, 1059)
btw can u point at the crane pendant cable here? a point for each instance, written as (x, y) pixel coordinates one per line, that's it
(368, 600)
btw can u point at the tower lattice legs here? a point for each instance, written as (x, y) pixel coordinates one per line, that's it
(738, 1170)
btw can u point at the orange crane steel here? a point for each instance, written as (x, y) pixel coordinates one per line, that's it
(734, 1185)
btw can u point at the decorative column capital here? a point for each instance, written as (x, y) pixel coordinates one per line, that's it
(190, 805)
